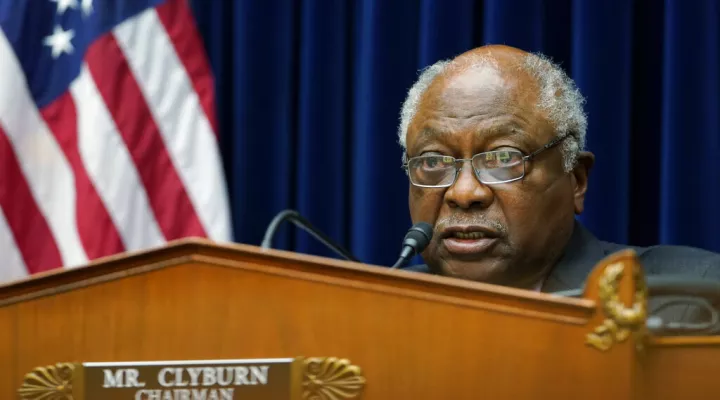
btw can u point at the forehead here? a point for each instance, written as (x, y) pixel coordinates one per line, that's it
(471, 80)
(477, 99)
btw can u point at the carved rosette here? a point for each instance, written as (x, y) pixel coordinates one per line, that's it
(53, 382)
(620, 321)
(331, 379)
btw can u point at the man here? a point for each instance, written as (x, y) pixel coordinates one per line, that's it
(494, 153)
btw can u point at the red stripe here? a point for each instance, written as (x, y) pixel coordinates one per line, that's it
(27, 223)
(97, 231)
(125, 101)
(179, 23)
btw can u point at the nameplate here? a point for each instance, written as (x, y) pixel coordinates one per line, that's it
(274, 378)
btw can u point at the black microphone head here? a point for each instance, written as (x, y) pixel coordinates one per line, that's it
(419, 236)
(416, 240)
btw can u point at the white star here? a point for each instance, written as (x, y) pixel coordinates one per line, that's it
(87, 7)
(63, 5)
(60, 41)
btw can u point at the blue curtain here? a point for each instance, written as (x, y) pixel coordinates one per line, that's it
(309, 94)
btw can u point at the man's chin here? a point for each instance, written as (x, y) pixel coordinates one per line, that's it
(486, 271)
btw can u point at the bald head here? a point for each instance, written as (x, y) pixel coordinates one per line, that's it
(526, 79)
(499, 52)
(504, 57)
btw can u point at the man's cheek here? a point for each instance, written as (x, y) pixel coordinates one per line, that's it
(425, 207)
(520, 210)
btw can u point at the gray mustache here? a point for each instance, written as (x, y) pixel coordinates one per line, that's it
(460, 219)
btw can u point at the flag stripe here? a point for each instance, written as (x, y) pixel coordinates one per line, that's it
(41, 161)
(185, 128)
(97, 231)
(176, 17)
(108, 134)
(23, 217)
(13, 267)
(111, 167)
(136, 125)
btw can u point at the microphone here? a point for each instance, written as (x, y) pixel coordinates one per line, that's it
(416, 240)
(297, 220)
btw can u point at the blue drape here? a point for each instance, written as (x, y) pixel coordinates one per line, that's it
(309, 93)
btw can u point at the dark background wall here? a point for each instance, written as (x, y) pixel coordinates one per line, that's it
(309, 94)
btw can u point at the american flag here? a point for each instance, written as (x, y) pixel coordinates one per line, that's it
(108, 140)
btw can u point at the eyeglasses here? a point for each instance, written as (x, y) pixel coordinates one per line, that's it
(491, 167)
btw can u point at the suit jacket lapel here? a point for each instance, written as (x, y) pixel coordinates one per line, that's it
(581, 255)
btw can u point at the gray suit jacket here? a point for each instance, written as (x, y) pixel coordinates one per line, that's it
(584, 251)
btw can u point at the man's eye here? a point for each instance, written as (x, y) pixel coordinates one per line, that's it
(437, 162)
(431, 163)
(502, 158)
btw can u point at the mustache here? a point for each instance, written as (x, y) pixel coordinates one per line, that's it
(465, 219)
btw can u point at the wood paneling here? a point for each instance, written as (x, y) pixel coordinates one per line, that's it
(414, 336)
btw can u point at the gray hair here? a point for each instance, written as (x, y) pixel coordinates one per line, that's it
(559, 97)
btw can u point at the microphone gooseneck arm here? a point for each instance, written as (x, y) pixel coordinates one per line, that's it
(302, 223)
(406, 254)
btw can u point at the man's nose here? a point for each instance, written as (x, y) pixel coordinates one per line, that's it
(467, 191)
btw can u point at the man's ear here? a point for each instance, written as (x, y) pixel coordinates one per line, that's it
(585, 161)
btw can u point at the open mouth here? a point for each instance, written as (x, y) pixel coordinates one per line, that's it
(468, 235)
(469, 240)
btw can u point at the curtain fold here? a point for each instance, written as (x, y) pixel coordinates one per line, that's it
(309, 94)
(690, 190)
(322, 120)
(602, 68)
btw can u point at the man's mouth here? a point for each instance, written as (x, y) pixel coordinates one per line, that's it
(467, 235)
(469, 240)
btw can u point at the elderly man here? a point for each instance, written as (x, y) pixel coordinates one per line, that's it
(493, 143)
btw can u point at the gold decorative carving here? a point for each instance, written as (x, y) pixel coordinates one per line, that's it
(331, 378)
(53, 382)
(621, 321)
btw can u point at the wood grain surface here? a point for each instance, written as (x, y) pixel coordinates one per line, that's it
(415, 336)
